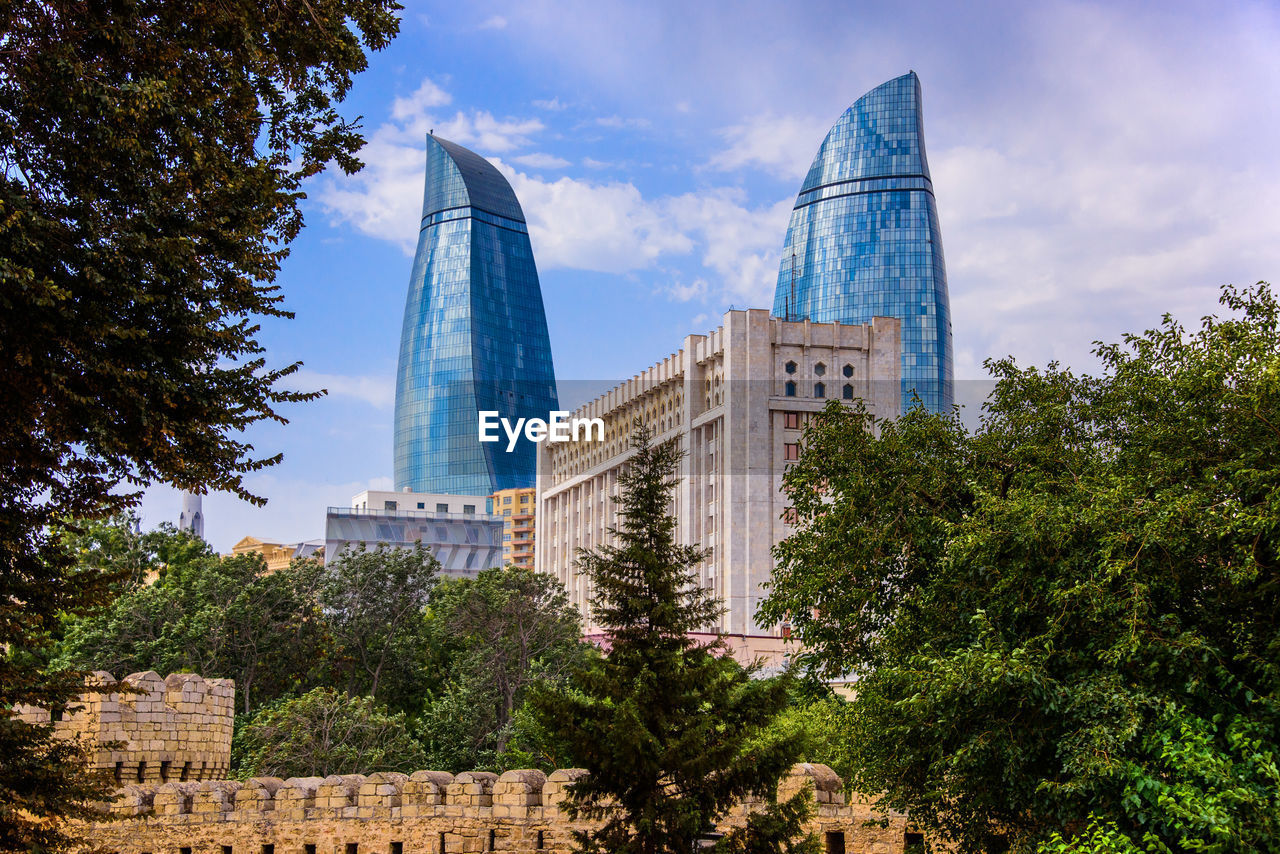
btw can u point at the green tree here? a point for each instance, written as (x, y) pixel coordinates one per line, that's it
(493, 638)
(1065, 625)
(151, 159)
(373, 603)
(219, 617)
(119, 547)
(667, 726)
(326, 732)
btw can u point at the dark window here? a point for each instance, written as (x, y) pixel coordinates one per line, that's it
(791, 451)
(268, 848)
(442, 508)
(913, 843)
(442, 844)
(186, 772)
(791, 389)
(819, 390)
(309, 848)
(422, 506)
(226, 849)
(493, 838)
(541, 841)
(388, 505)
(835, 842)
(469, 509)
(119, 773)
(397, 848)
(164, 771)
(847, 393)
(142, 771)
(791, 420)
(820, 369)
(184, 851)
(791, 367)
(848, 370)
(353, 848)
(56, 715)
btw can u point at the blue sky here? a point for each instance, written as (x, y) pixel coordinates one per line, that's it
(1095, 165)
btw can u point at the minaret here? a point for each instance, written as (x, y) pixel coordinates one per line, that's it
(192, 518)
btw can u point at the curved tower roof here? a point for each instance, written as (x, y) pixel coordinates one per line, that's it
(474, 335)
(864, 239)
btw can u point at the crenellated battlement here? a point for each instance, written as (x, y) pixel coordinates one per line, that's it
(427, 811)
(157, 730)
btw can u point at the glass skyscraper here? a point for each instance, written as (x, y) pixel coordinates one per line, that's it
(864, 238)
(475, 333)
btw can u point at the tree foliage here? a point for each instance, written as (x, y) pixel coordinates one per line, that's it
(219, 617)
(151, 154)
(373, 603)
(326, 732)
(667, 727)
(1065, 625)
(492, 638)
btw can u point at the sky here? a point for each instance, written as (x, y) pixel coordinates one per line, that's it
(1095, 166)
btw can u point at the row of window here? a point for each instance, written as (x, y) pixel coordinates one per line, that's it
(819, 390)
(819, 369)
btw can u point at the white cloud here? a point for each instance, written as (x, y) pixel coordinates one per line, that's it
(541, 160)
(585, 225)
(493, 22)
(592, 163)
(697, 289)
(377, 391)
(426, 96)
(555, 104)
(620, 123)
(781, 145)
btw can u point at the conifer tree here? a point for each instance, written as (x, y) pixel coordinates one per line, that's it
(670, 728)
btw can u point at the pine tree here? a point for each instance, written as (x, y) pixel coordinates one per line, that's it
(670, 728)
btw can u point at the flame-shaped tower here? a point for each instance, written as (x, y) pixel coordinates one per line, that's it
(864, 239)
(475, 333)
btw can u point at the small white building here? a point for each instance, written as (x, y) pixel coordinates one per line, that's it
(458, 529)
(736, 400)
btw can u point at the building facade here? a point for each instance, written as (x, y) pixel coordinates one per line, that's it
(279, 555)
(864, 239)
(458, 529)
(516, 507)
(474, 335)
(735, 400)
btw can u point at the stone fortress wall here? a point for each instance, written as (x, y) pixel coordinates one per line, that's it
(176, 729)
(425, 812)
(175, 736)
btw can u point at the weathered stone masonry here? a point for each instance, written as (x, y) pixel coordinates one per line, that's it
(175, 729)
(426, 812)
(176, 740)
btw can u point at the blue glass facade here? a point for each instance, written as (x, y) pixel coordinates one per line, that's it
(864, 238)
(475, 333)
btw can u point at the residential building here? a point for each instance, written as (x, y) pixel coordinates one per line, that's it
(735, 400)
(864, 239)
(458, 529)
(474, 336)
(516, 507)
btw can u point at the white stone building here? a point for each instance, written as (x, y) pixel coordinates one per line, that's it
(736, 400)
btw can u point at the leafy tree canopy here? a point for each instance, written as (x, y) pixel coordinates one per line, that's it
(492, 638)
(1064, 626)
(151, 159)
(326, 732)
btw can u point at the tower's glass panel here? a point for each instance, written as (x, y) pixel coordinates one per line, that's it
(475, 333)
(864, 239)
